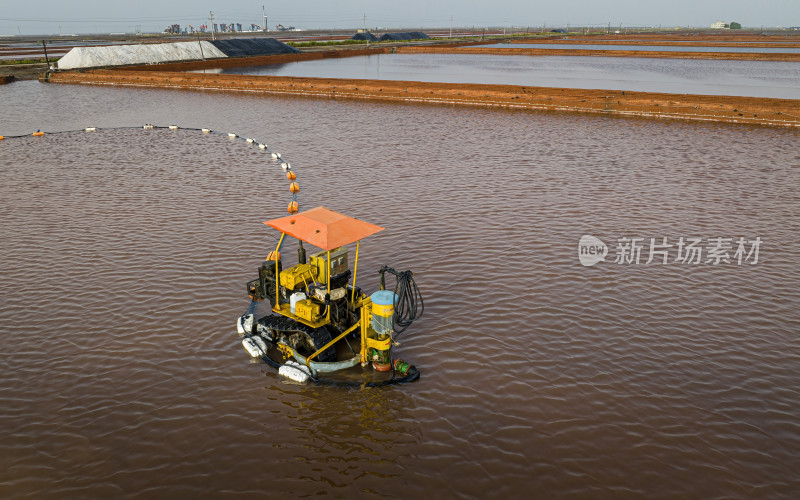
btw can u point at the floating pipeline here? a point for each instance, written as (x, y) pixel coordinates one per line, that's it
(291, 175)
(729, 109)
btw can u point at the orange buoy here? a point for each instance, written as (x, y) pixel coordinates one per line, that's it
(1, 137)
(292, 208)
(38, 133)
(294, 187)
(290, 175)
(271, 256)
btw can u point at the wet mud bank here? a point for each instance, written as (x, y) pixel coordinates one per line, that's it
(732, 109)
(12, 72)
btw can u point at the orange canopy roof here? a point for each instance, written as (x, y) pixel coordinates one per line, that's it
(324, 228)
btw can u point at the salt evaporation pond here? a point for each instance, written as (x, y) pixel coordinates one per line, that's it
(679, 76)
(125, 253)
(653, 48)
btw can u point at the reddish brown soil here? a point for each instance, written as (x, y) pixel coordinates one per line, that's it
(667, 43)
(760, 111)
(746, 56)
(693, 38)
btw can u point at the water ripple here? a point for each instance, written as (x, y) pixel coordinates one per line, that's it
(124, 255)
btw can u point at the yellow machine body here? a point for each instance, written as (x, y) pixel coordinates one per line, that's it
(330, 231)
(382, 315)
(375, 320)
(320, 262)
(307, 310)
(300, 274)
(369, 337)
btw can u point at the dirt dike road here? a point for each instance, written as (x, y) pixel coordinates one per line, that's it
(512, 51)
(731, 109)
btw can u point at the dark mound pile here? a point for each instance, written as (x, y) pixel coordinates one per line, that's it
(410, 35)
(248, 47)
(365, 36)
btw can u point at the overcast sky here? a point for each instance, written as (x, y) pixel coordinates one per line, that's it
(107, 16)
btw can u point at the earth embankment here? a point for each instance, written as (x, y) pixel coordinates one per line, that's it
(751, 110)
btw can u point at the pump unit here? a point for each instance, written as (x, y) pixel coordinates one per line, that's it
(320, 317)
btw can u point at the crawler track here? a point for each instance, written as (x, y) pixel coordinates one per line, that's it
(304, 339)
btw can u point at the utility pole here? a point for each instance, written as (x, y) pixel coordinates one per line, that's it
(202, 56)
(264, 16)
(211, 17)
(505, 23)
(451, 26)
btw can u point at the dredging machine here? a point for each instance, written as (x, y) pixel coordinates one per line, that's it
(321, 323)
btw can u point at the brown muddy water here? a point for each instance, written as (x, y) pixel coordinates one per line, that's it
(125, 253)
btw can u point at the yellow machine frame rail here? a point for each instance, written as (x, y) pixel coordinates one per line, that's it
(277, 274)
(337, 339)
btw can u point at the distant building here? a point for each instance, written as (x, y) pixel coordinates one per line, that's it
(719, 25)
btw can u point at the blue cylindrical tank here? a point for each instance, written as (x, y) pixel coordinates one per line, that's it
(383, 310)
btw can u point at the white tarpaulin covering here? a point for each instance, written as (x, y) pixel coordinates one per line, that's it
(124, 55)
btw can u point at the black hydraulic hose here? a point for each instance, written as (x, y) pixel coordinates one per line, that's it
(408, 297)
(266, 359)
